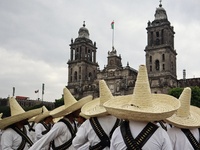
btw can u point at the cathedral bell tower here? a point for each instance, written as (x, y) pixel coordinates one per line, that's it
(160, 53)
(82, 65)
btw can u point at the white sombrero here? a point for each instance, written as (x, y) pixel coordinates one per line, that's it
(70, 104)
(95, 107)
(187, 116)
(142, 105)
(40, 117)
(1, 114)
(17, 114)
(83, 115)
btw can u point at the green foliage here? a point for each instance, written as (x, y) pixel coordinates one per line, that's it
(5, 110)
(195, 96)
(176, 92)
(59, 102)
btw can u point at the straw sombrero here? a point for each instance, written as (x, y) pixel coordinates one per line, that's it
(70, 104)
(142, 105)
(84, 116)
(1, 114)
(95, 107)
(40, 117)
(187, 116)
(55, 120)
(17, 114)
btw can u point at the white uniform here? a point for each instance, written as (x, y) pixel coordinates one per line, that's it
(11, 140)
(0, 139)
(59, 133)
(158, 141)
(179, 140)
(39, 128)
(32, 133)
(86, 133)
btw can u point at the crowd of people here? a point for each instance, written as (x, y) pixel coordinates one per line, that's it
(139, 121)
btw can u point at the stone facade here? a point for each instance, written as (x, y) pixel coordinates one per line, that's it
(84, 72)
(160, 53)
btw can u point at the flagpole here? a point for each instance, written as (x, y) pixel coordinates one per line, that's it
(42, 91)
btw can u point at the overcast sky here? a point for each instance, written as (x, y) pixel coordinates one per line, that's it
(35, 37)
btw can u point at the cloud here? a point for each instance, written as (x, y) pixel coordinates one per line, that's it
(35, 37)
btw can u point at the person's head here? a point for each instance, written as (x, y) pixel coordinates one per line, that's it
(142, 105)
(21, 123)
(80, 119)
(95, 107)
(48, 120)
(18, 114)
(187, 116)
(72, 116)
(71, 107)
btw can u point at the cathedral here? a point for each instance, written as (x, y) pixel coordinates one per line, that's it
(160, 54)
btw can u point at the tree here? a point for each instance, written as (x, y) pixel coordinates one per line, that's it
(59, 102)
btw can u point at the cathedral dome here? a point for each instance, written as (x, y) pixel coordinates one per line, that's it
(83, 32)
(160, 13)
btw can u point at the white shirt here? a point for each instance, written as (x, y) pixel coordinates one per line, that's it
(179, 140)
(0, 138)
(32, 133)
(11, 140)
(158, 141)
(59, 133)
(86, 133)
(39, 128)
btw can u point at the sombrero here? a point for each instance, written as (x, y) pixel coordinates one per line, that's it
(17, 114)
(1, 114)
(142, 105)
(40, 117)
(84, 116)
(70, 104)
(95, 107)
(187, 116)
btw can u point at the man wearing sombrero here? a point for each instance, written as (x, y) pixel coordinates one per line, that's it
(185, 134)
(63, 132)
(97, 130)
(15, 136)
(138, 111)
(44, 123)
(1, 114)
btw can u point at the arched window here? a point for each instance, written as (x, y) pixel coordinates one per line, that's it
(89, 76)
(172, 65)
(157, 63)
(163, 66)
(75, 76)
(150, 59)
(163, 57)
(71, 75)
(150, 68)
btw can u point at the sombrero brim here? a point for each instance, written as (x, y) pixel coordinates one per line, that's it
(192, 121)
(163, 106)
(40, 117)
(16, 118)
(94, 109)
(62, 111)
(1, 116)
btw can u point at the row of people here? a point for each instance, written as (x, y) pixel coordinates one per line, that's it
(135, 121)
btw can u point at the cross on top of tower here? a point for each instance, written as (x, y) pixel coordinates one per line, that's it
(83, 23)
(160, 3)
